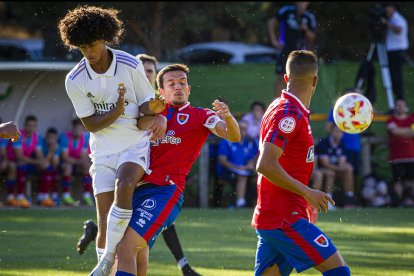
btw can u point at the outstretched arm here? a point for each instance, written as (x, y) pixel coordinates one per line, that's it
(228, 128)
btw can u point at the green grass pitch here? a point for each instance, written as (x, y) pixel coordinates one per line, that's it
(216, 241)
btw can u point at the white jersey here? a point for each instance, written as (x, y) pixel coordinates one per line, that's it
(93, 93)
(394, 41)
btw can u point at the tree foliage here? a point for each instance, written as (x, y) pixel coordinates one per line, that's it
(164, 27)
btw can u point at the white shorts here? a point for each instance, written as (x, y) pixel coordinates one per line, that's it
(103, 170)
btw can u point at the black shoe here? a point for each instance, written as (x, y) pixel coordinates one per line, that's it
(90, 230)
(350, 202)
(188, 271)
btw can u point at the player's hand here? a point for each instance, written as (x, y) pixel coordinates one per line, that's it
(158, 128)
(120, 103)
(10, 130)
(318, 199)
(158, 104)
(221, 108)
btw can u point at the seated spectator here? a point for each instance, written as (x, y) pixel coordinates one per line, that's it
(75, 159)
(49, 178)
(28, 155)
(237, 162)
(351, 142)
(253, 119)
(400, 129)
(317, 180)
(332, 158)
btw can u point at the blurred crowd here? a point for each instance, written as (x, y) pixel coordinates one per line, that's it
(46, 165)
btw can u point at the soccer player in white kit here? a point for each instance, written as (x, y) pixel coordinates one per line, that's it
(109, 90)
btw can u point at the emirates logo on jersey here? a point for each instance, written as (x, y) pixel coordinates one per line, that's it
(182, 118)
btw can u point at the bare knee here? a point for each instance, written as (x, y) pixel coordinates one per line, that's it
(272, 271)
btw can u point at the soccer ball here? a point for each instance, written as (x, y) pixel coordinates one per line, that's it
(353, 113)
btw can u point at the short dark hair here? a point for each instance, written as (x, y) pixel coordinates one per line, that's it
(30, 118)
(170, 68)
(51, 130)
(147, 58)
(301, 63)
(87, 24)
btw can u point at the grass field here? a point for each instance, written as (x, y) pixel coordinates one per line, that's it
(216, 241)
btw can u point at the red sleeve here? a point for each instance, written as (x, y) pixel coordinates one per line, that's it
(281, 129)
(209, 118)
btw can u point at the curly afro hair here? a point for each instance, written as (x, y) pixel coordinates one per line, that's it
(87, 24)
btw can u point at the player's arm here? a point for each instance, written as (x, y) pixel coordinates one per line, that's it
(85, 109)
(97, 122)
(400, 131)
(228, 128)
(325, 163)
(268, 165)
(272, 25)
(157, 125)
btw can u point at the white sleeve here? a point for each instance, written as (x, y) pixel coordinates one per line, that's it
(82, 104)
(143, 89)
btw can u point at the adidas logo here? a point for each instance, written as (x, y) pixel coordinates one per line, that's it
(90, 95)
(142, 158)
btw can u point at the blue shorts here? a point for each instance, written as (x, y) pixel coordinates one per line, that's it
(155, 208)
(300, 245)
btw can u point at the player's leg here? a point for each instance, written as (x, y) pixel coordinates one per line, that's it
(348, 180)
(241, 191)
(11, 183)
(67, 175)
(269, 260)
(155, 208)
(304, 245)
(85, 164)
(131, 165)
(330, 177)
(173, 243)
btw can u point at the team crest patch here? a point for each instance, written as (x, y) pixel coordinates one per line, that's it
(287, 124)
(182, 118)
(322, 241)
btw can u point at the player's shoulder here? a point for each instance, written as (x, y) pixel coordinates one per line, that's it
(77, 70)
(286, 108)
(287, 9)
(125, 59)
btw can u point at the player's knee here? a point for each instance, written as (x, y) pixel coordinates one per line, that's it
(126, 184)
(338, 271)
(272, 271)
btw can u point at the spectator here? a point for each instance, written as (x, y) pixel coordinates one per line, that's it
(331, 158)
(396, 43)
(237, 161)
(51, 152)
(75, 159)
(28, 155)
(400, 129)
(351, 142)
(317, 177)
(296, 27)
(253, 119)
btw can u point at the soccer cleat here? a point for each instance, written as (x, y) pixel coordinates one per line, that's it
(48, 202)
(24, 203)
(189, 271)
(90, 230)
(88, 201)
(68, 200)
(103, 268)
(11, 202)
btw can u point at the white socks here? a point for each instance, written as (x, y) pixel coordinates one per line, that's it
(118, 220)
(182, 262)
(99, 253)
